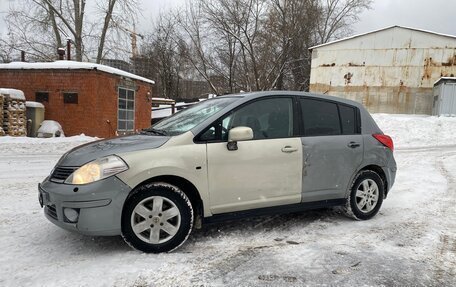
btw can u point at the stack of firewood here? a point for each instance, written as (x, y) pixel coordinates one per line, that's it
(2, 102)
(14, 116)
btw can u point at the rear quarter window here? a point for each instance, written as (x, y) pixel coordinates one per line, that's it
(320, 118)
(348, 119)
(325, 118)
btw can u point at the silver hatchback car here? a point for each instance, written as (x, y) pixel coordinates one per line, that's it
(229, 157)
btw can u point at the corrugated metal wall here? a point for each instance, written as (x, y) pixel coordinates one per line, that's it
(445, 98)
(391, 70)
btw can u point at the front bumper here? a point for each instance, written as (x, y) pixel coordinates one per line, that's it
(99, 205)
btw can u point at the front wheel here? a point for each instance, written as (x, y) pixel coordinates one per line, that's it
(366, 196)
(157, 217)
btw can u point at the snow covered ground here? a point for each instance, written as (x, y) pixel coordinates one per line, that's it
(411, 242)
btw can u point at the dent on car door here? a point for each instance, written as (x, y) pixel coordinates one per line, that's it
(265, 171)
(332, 148)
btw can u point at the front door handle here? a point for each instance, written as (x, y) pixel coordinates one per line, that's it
(353, 145)
(289, 149)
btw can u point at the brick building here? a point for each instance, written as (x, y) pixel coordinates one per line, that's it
(87, 98)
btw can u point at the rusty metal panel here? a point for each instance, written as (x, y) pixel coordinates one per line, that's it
(393, 70)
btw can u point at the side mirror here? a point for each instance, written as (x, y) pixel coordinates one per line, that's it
(238, 134)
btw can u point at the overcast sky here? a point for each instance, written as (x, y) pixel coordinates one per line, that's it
(437, 15)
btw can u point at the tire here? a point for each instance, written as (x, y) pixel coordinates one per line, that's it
(362, 205)
(157, 217)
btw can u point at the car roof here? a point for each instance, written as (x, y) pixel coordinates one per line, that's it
(254, 95)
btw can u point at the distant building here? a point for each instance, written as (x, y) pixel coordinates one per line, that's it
(87, 98)
(143, 66)
(392, 70)
(118, 64)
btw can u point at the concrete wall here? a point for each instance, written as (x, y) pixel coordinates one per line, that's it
(97, 98)
(391, 71)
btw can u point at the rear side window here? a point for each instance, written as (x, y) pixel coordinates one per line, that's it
(320, 118)
(348, 119)
(323, 118)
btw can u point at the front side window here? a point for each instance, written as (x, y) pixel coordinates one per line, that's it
(268, 119)
(126, 110)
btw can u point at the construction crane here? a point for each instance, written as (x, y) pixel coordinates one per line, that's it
(133, 35)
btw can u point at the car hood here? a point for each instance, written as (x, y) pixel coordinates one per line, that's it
(88, 152)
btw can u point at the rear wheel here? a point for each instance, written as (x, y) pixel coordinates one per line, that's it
(366, 196)
(157, 217)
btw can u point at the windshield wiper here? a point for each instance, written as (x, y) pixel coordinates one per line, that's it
(154, 131)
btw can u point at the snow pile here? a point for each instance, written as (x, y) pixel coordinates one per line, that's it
(13, 93)
(416, 131)
(40, 146)
(50, 129)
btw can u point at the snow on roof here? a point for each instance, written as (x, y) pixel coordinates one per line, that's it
(379, 30)
(71, 65)
(445, 79)
(13, 93)
(30, 104)
(163, 100)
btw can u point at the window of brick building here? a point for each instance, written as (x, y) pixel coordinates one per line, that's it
(70, 98)
(42, 97)
(126, 110)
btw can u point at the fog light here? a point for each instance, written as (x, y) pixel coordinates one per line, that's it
(71, 214)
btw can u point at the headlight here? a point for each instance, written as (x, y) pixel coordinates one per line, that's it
(98, 169)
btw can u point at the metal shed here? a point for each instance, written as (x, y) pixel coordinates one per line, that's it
(445, 97)
(391, 70)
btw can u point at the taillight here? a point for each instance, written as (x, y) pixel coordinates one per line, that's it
(385, 140)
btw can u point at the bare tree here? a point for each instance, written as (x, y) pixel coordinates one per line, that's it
(117, 15)
(194, 40)
(253, 45)
(6, 52)
(40, 26)
(166, 54)
(237, 23)
(336, 17)
(291, 25)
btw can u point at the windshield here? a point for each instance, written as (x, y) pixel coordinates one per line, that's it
(189, 118)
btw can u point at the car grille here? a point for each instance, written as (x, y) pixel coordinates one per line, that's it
(51, 211)
(60, 174)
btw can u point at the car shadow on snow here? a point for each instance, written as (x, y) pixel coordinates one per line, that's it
(267, 226)
(263, 226)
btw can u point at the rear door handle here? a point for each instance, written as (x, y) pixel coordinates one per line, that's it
(353, 145)
(289, 149)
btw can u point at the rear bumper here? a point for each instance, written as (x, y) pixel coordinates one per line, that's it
(390, 173)
(98, 204)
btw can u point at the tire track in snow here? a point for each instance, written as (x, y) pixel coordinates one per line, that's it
(446, 253)
(426, 148)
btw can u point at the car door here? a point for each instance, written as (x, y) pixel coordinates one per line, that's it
(332, 148)
(265, 171)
